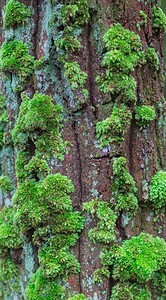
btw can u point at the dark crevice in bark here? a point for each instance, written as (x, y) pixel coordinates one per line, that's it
(90, 71)
(80, 190)
(131, 134)
(36, 28)
(120, 228)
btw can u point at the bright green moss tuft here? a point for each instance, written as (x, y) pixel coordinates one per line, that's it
(39, 288)
(123, 188)
(100, 275)
(113, 129)
(159, 19)
(157, 190)
(144, 115)
(16, 14)
(58, 263)
(137, 259)
(143, 21)
(39, 124)
(122, 56)
(9, 233)
(9, 279)
(128, 290)
(14, 58)
(152, 59)
(5, 184)
(78, 297)
(104, 232)
(39, 203)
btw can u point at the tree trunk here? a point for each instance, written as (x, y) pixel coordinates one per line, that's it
(86, 164)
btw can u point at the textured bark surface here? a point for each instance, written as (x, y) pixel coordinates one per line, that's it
(86, 164)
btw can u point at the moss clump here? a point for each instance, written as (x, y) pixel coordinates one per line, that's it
(114, 128)
(40, 287)
(157, 190)
(44, 206)
(123, 188)
(131, 291)
(143, 21)
(70, 18)
(138, 259)
(100, 275)
(5, 184)
(159, 284)
(78, 297)
(46, 200)
(16, 14)
(122, 56)
(14, 58)
(144, 115)
(152, 59)
(9, 233)
(159, 19)
(38, 125)
(9, 280)
(104, 232)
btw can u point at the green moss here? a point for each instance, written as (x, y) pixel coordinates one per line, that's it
(159, 19)
(131, 291)
(143, 21)
(123, 55)
(78, 297)
(3, 120)
(16, 14)
(152, 58)
(9, 280)
(104, 232)
(70, 19)
(5, 184)
(100, 275)
(14, 58)
(159, 284)
(39, 288)
(114, 128)
(39, 124)
(137, 259)
(123, 188)
(38, 64)
(59, 263)
(157, 190)
(9, 234)
(46, 200)
(144, 115)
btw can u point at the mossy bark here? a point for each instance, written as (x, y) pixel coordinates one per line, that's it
(89, 167)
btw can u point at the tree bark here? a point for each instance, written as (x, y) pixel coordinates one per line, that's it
(89, 167)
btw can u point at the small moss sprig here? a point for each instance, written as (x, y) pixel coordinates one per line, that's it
(3, 120)
(114, 128)
(159, 19)
(144, 115)
(157, 190)
(16, 14)
(9, 233)
(6, 184)
(123, 188)
(14, 58)
(104, 232)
